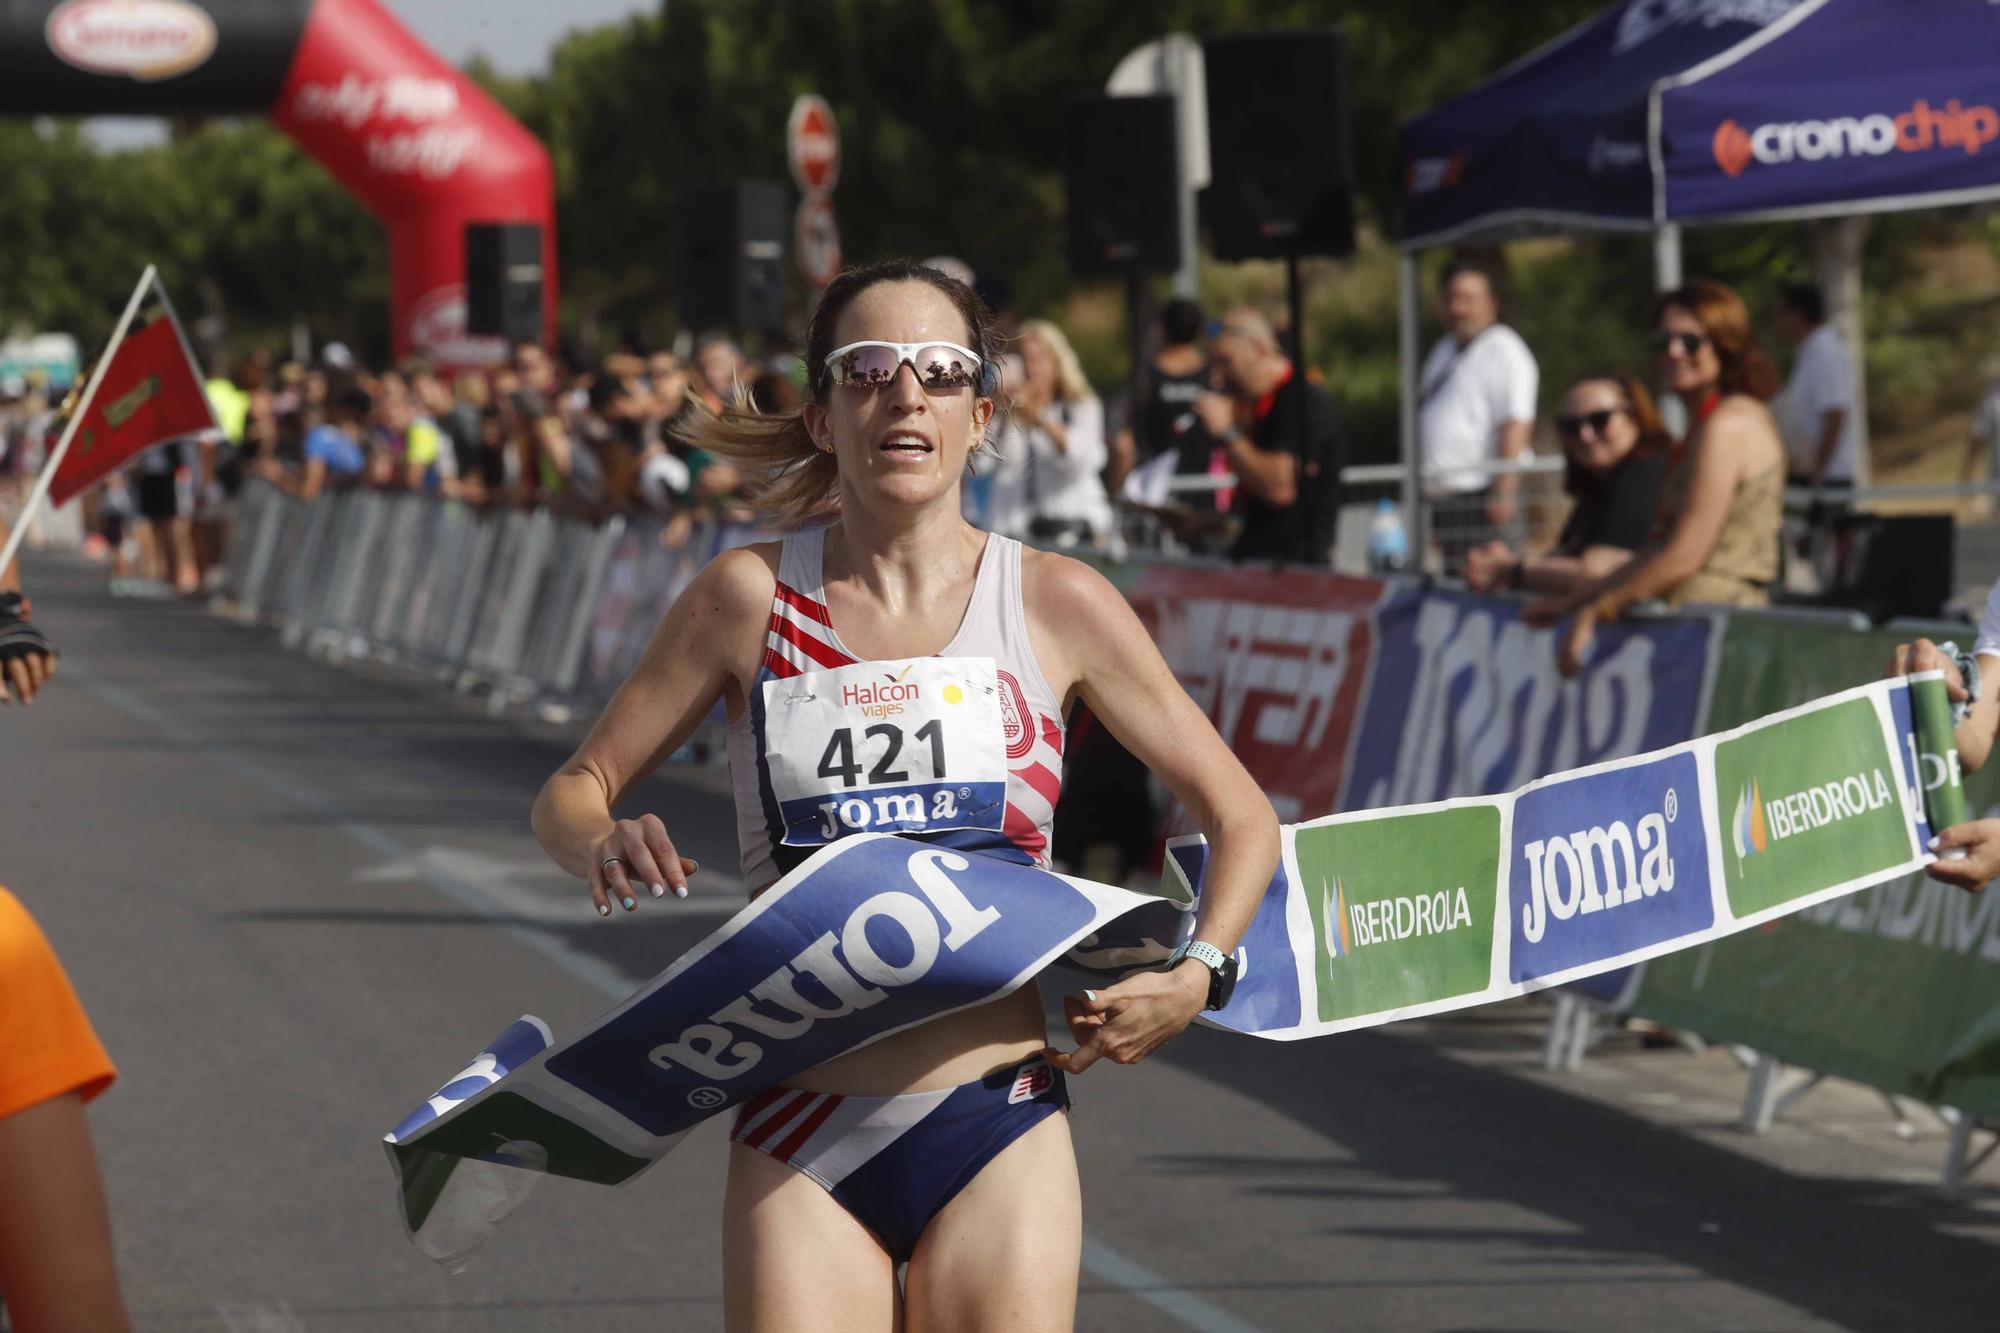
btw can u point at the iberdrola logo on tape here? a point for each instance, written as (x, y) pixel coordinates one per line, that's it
(1758, 821)
(1747, 827)
(1403, 906)
(1333, 920)
(140, 39)
(1814, 802)
(1380, 920)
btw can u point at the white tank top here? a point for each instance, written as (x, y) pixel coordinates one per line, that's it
(963, 749)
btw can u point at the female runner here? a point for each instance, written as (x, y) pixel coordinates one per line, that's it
(941, 1147)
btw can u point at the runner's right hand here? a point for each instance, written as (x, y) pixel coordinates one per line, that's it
(647, 862)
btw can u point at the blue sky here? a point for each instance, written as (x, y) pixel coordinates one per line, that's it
(515, 34)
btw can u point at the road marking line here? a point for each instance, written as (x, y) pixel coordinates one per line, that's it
(1148, 1286)
(1099, 1259)
(257, 1317)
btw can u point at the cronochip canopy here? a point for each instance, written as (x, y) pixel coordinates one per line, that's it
(1663, 111)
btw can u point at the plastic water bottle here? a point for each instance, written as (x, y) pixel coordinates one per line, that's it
(1388, 543)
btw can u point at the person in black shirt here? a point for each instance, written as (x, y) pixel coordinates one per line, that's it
(1617, 449)
(1175, 377)
(1282, 437)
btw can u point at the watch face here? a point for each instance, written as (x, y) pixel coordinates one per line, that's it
(1222, 983)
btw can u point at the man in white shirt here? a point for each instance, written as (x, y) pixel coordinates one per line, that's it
(1817, 411)
(1475, 406)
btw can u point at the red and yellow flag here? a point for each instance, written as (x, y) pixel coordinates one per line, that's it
(151, 393)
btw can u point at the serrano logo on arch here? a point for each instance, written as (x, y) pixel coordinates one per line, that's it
(1920, 129)
(140, 39)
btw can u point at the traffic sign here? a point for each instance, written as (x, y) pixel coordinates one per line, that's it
(812, 144)
(816, 240)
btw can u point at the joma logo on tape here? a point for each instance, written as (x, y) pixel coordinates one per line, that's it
(845, 966)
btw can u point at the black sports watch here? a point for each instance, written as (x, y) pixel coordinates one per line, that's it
(1221, 969)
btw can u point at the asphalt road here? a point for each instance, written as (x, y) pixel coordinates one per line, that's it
(295, 897)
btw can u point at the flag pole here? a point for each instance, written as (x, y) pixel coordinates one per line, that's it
(47, 479)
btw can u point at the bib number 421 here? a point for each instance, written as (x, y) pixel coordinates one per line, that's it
(887, 747)
(839, 761)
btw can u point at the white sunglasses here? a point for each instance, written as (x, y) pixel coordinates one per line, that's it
(940, 367)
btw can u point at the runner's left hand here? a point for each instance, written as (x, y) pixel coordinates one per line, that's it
(1981, 840)
(1129, 1021)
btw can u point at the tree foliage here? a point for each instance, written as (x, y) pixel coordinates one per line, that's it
(953, 116)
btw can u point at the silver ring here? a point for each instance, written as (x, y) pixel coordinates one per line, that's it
(609, 860)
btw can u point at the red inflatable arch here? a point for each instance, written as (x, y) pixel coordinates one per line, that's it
(414, 140)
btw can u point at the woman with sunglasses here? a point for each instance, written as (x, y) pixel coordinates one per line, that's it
(1617, 450)
(945, 1147)
(1716, 541)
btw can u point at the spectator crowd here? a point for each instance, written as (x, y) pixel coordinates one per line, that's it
(1220, 446)
(1217, 411)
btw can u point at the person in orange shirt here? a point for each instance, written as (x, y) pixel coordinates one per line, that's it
(56, 1269)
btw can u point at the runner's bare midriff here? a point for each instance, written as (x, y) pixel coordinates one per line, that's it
(943, 1053)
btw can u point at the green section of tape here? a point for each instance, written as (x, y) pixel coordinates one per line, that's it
(1807, 804)
(1402, 908)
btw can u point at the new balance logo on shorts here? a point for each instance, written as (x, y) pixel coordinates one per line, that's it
(1032, 1082)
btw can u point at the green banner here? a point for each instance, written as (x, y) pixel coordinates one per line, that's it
(1402, 908)
(1897, 986)
(1813, 802)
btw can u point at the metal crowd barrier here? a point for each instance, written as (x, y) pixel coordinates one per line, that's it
(500, 602)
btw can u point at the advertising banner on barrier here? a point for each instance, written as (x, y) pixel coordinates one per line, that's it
(1384, 915)
(1897, 986)
(1278, 660)
(1465, 699)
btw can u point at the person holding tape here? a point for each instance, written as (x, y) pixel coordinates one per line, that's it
(890, 668)
(1975, 706)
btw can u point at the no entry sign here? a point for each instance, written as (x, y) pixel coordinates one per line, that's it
(812, 143)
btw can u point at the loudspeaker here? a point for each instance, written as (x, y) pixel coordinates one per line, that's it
(1281, 179)
(503, 280)
(1895, 566)
(1123, 178)
(733, 255)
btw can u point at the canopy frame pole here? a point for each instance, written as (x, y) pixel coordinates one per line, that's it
(1414, 518)
(1666, 256)
(1667, 275)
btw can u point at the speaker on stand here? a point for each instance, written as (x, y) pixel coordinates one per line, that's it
(1281, 179)
(733, 255)
(503, 280)
(1121, 169)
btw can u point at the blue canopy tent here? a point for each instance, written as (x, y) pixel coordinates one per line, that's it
(1659, 112)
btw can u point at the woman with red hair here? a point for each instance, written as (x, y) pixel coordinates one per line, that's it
(1716, 542)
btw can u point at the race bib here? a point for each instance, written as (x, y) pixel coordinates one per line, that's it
(879, 747)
